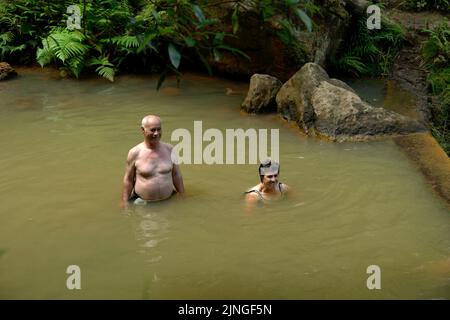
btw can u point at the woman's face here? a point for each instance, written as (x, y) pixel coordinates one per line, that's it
(270, 180)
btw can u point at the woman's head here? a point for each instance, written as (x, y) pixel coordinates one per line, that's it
(269, 171)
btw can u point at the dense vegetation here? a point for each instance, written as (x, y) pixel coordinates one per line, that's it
(436, 54)
(442, 5)
(369, 52)
(118, 35)
(114, 35)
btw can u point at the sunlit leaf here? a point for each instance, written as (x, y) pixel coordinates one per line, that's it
(305, 18)
(174, 55)
(198, 13)
(217, 55)
(235, 21)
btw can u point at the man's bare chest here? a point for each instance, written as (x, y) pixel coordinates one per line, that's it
(153, 163)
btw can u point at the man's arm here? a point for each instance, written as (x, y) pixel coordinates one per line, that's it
(129, 177)
(178, 179)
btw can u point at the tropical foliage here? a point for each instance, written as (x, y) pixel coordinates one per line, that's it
(443, 5)
(436, 55)
(127, 35)
(369, 52)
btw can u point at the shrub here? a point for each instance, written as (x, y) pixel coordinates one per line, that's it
(419, 5)
(436, 55)
(369, 52)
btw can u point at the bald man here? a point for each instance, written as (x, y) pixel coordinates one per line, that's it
(150, 174)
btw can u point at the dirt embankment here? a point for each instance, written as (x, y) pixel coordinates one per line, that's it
(408, 68)
(432, 161)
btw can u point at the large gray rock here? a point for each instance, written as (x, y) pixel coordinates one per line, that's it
(6, 71)
(341, 115)
(331, 108)
(294, 97)
(261, 94)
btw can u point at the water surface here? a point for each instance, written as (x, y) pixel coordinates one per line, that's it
(64, 144)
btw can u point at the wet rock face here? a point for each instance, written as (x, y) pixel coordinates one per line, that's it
(268, 54)
(6, 71)
(294, 97)
(329, 107)
(261, 94)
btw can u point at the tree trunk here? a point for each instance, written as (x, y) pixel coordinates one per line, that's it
(357, 6)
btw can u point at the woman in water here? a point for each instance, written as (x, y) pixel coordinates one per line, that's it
(269, 188)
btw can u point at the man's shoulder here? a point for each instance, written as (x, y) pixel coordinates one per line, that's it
(166, 145)
(134, 152)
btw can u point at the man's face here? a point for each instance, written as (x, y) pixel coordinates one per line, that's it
(270, 179)
(152, 130)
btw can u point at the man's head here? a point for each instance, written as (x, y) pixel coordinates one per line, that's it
(269, 171)
(151, 128)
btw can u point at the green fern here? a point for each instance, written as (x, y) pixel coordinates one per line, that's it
(436, 51)
(65, 46)
(351, 64)
(106, 72)
(126, 41)
(369, 52)
(105, 68)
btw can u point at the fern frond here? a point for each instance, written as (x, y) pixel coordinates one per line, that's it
(76, 65)
(106, 72)
(105, 68)
(44, 55)
(126, 41)
(66, 44)
(6, 37)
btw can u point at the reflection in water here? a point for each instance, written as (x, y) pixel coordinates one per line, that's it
(152, 228)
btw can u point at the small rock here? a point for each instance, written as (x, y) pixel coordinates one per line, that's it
(261, 94)
(6, 71)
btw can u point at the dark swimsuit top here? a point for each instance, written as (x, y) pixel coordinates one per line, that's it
(261, 198)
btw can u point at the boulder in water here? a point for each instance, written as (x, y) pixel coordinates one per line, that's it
(341, 114)
(261, 94)
(331, 108)
(6, 71)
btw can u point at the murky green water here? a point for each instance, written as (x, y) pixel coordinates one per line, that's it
(64, 144)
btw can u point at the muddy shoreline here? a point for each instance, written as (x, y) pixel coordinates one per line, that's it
(430, 159)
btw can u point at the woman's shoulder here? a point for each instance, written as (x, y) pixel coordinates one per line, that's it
(254, 189)
(283, 187)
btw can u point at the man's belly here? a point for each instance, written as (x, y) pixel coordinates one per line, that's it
(156, 188)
